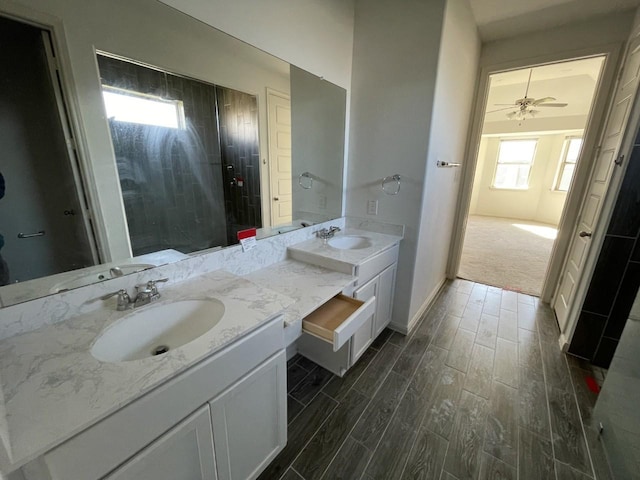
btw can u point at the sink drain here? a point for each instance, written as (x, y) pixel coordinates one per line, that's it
(159, 350)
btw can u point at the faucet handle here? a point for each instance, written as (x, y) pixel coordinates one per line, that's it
(151, 285)
(121, 293)
(124, 301)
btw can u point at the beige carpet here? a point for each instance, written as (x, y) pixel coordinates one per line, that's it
(507, 253)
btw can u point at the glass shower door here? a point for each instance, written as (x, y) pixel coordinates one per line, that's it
(618, 407)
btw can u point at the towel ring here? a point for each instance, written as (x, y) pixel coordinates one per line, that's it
(305, 175)
(395, 178)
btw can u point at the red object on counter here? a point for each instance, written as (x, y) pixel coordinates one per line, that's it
(249, 232)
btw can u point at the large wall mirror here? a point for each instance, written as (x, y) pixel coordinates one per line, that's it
(171, 138)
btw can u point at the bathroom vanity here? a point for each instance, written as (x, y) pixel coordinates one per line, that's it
(86, 398)
(339, 332)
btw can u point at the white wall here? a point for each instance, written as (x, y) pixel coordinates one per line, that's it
(315, 35)
(396, 64)
(598, 31)
(395, 57)
(539, 202)
(455, 86)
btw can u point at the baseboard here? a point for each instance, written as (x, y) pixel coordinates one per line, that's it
(406, 329)
(398, 328)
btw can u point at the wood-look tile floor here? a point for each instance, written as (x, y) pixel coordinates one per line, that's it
(479, 390)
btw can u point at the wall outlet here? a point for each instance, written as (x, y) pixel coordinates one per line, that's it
(372, 207)
(322, 201)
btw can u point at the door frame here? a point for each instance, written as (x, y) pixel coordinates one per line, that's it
(609, 201)
(593, 131)
(67, 90)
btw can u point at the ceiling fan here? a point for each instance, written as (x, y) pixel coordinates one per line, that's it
(526, 106)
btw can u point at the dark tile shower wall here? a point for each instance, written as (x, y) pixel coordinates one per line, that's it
(239, 144)
(616, 278)
(175, 187)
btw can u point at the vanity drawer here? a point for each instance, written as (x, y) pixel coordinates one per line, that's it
(372, 267)
(339, 319)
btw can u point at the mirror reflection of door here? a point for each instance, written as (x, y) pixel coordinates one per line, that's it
(41, 217)
(279, 120)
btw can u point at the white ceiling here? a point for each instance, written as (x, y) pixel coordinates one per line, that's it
(506, 18)
(569, 82)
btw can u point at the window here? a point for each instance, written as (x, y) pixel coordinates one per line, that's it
(134, 107)
(515, 158)
(568, 159)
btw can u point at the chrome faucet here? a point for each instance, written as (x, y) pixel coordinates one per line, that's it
(145, 294)
(116, 272)
(325, 234)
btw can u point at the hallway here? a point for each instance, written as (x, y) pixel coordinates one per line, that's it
(479, 390)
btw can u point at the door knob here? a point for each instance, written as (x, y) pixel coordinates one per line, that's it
(275, 199)
(585, 234)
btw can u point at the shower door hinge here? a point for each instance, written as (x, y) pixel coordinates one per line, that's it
(71, 144)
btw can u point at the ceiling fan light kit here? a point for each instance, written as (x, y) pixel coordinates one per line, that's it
(526, 107)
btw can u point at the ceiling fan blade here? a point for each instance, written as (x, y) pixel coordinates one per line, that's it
(510, 104)
(512, 115)
(557, 105)
(533, 113)
(542, 100)
(502, 109)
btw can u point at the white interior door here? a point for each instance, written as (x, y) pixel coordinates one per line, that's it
(279, 121)
(607, 155)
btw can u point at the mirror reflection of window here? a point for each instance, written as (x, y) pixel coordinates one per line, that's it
(187, 154)
(129, 106)
(515, 158)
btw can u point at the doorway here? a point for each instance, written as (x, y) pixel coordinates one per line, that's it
(45, 229)
(531, 143)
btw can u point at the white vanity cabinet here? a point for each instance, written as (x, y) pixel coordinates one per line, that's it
(184, 452)
(250, 422)
(335, 340)
(224, 418)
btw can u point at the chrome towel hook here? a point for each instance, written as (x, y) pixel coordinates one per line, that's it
(308, 176)
(392, 178)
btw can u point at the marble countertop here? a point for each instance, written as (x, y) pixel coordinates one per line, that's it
(308, 285)
(52, 387)
(318, 248)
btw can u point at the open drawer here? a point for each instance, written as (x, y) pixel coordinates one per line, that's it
(339, 319)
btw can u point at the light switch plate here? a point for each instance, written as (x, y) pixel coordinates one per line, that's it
(372, 207)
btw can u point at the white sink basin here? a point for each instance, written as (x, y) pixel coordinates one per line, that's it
(350, 242)
(154, 330)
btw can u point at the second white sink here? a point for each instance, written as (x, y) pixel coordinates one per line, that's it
(154, 330)
(350, 242)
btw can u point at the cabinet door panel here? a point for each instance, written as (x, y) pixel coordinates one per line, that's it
(184, 452)
(384, 296)
(365, 334)
(250, 421)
